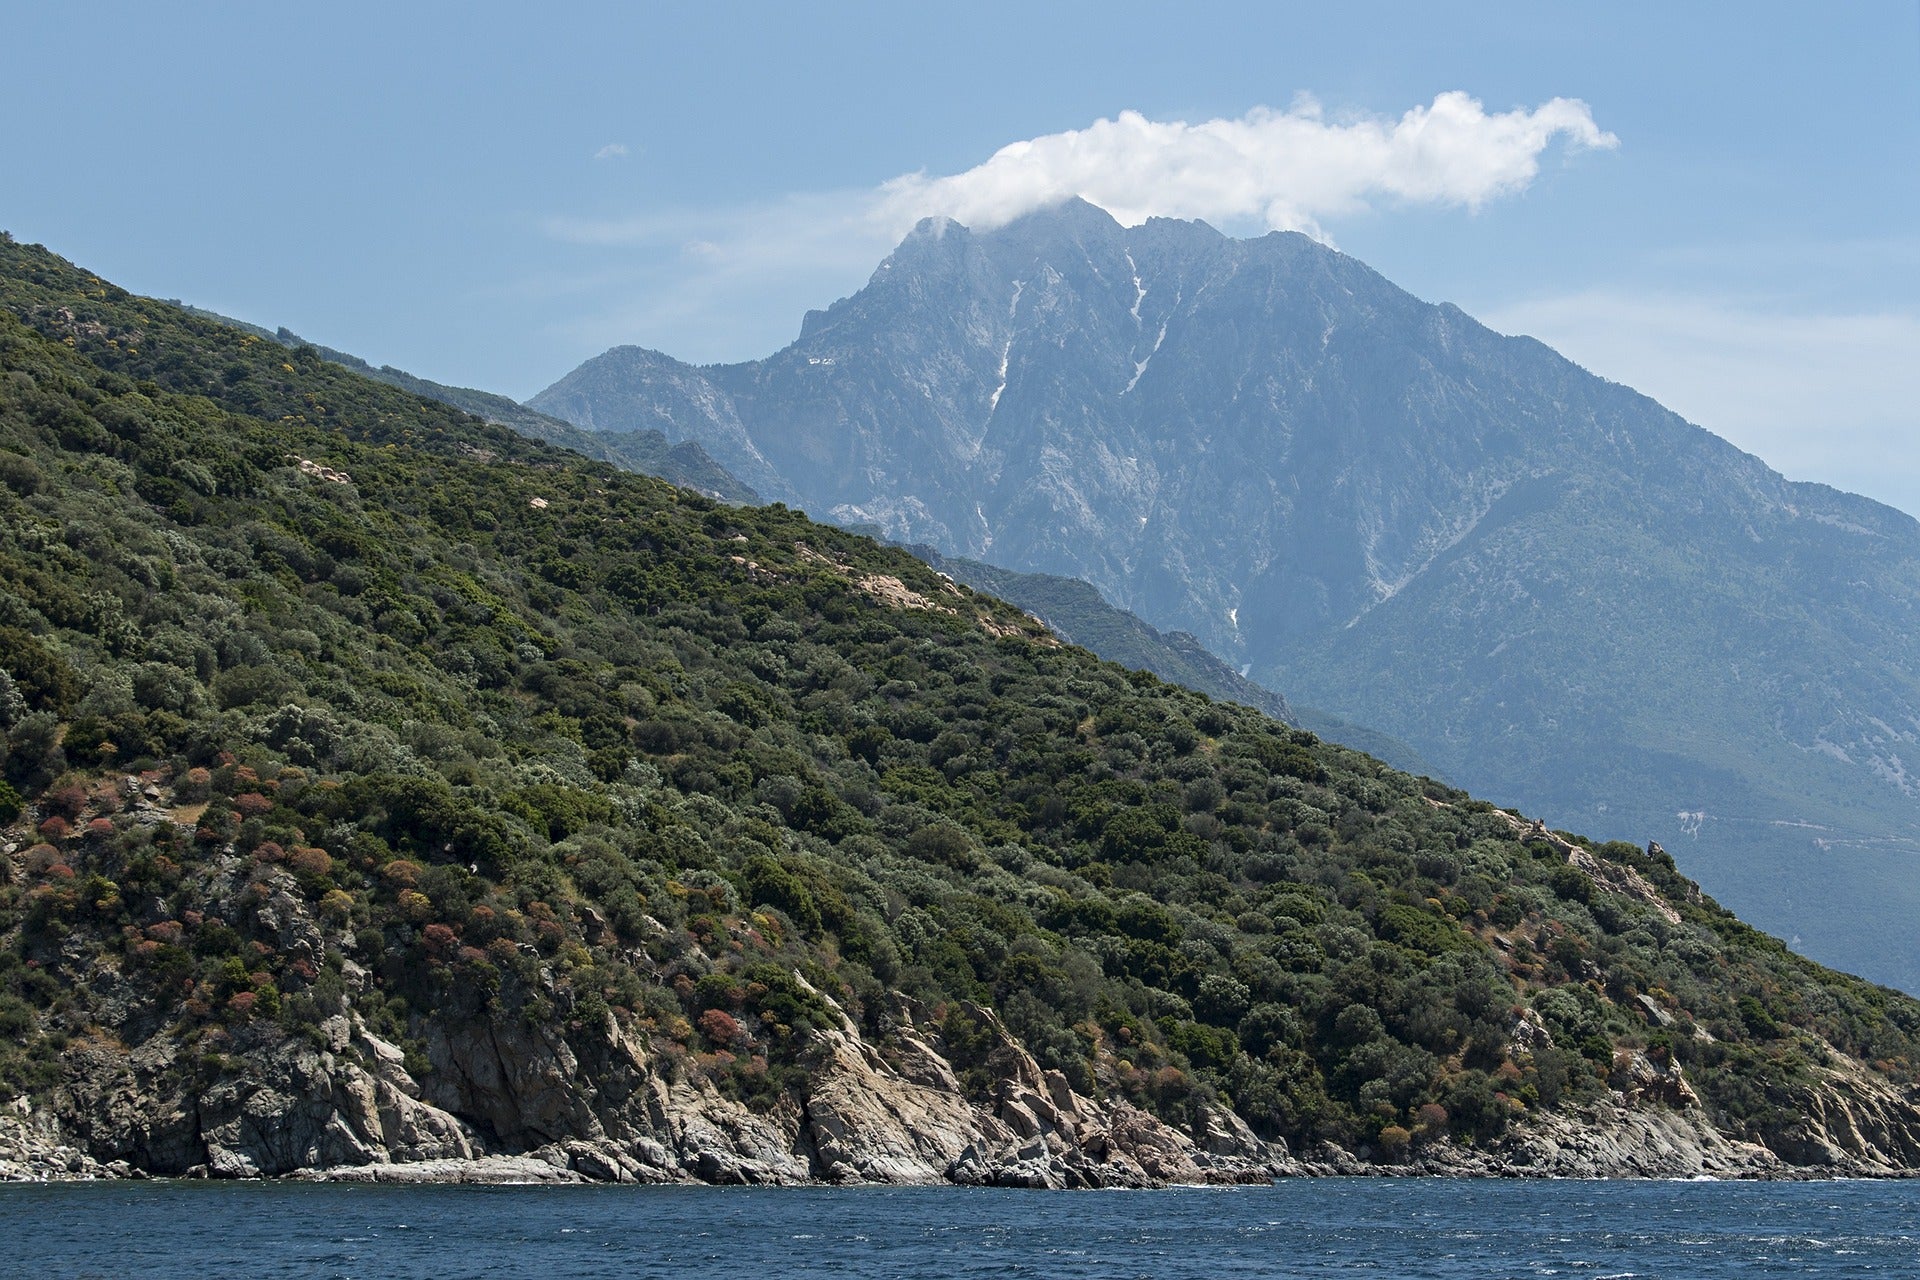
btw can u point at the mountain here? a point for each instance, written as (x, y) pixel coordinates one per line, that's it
(649, 451)
(389, 794)
(1553, 589)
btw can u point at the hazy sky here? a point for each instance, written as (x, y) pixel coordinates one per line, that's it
(1719, 205)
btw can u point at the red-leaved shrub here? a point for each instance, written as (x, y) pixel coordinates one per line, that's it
(719, 1026)
(309, 861)
(65, 801)
(251, 804)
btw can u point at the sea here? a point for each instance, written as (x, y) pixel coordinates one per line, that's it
(1320, 1227)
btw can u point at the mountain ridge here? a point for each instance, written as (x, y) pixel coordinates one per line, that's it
(1076, 612)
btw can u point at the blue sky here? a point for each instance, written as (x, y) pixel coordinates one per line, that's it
(487, 195)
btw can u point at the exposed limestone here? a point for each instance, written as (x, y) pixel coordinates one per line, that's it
(1656, 1015)
(1855, 1123)
(33, 1148)
(867, 1123)
(890, 591)
(320, 471)
(1611, 1141)
(1638, 1080)
(1615, 877)
(511, 1102)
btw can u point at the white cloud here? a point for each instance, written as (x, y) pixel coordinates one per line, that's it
(1285, 169)
(731, 283)
(612, 151)
(1833, 397)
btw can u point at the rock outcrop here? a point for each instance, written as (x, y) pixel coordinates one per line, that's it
(1852, 1123)
(276, 1104)
(1614, 1140)
(516, 1102)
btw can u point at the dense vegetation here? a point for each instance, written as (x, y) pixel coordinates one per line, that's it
(1078, 613)
(497, 707)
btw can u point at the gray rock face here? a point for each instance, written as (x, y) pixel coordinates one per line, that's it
(674, 394)
(1559, 593)
(34, 1148)
(1654, 1142)
(527, 1107)
(524, 1107)
(293, 1106)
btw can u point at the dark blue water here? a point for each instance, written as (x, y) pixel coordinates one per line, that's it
(1482, 1230)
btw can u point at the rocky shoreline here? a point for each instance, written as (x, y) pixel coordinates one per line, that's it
(510, 1104)
(1537, 1156)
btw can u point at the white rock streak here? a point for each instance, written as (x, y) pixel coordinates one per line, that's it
(1006, 352)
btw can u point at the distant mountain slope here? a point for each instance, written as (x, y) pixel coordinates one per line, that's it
(1077, 613)
(1360, 737)
(1552, 588)
(380, 787)
(684, 463)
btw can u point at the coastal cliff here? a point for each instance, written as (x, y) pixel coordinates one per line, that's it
(521, 1106)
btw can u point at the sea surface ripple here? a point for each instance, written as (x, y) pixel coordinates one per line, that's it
(1366, 1227)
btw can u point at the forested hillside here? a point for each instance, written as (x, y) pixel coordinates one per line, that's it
(345, 732)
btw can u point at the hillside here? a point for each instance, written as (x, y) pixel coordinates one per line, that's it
(1560, 594)
(684, 463)
(1076, 612)
(385, 792)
